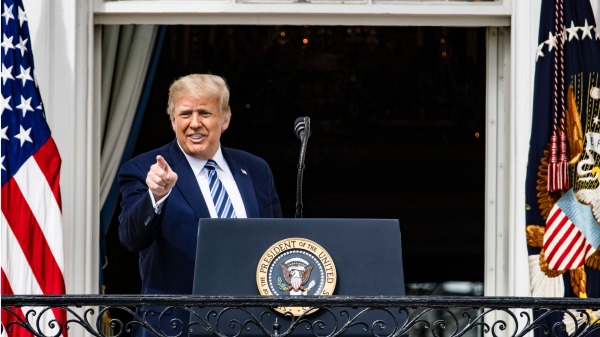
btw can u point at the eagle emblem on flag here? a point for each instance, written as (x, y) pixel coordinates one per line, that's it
(563, 172)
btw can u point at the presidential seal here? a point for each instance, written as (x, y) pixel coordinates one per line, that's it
(295, 266)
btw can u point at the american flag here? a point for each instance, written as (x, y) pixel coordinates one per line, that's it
(563, 181)
(31, 232)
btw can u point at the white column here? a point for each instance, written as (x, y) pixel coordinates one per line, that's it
(61, 41)
(525, 26)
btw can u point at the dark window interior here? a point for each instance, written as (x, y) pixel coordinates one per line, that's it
(397, 117)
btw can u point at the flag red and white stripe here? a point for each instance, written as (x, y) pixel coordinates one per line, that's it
(31, 223)
(565, 246)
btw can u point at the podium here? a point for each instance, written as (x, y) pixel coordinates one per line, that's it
(233, 257)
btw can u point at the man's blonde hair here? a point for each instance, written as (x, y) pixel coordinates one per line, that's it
(205, 86)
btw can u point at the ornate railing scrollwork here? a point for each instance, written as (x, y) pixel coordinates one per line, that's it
(228, 316)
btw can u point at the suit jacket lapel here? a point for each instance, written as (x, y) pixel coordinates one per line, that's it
(187, 183)
(243, 178)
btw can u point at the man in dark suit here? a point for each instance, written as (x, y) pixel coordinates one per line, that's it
(167, 190)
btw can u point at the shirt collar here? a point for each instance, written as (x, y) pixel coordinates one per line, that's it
(198, 164)
(220, 160)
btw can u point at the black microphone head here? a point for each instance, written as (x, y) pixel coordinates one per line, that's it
(299, 126)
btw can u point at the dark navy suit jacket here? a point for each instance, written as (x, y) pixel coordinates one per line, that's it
(166, 242)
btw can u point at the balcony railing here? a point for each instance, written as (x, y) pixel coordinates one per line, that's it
(321, 316)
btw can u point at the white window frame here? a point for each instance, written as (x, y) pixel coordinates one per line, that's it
(499, 246)
(395, 13)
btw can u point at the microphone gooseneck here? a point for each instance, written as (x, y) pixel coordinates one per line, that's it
(302, 131)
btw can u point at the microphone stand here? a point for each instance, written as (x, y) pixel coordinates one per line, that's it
(301, 167)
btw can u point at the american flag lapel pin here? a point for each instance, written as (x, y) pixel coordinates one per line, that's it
(244, 172)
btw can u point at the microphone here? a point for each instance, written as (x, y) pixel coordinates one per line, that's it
(302, 127)
(302, 131)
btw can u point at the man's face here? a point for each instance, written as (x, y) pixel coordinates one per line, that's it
(198, 125)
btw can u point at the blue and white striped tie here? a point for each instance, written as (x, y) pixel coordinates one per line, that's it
(219, 194)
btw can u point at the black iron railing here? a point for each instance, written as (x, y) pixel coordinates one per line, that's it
(322, 316)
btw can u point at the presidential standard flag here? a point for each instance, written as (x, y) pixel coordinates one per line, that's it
(563, 172)
(31, 232)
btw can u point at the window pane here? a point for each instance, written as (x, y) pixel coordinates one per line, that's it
(398, 123)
